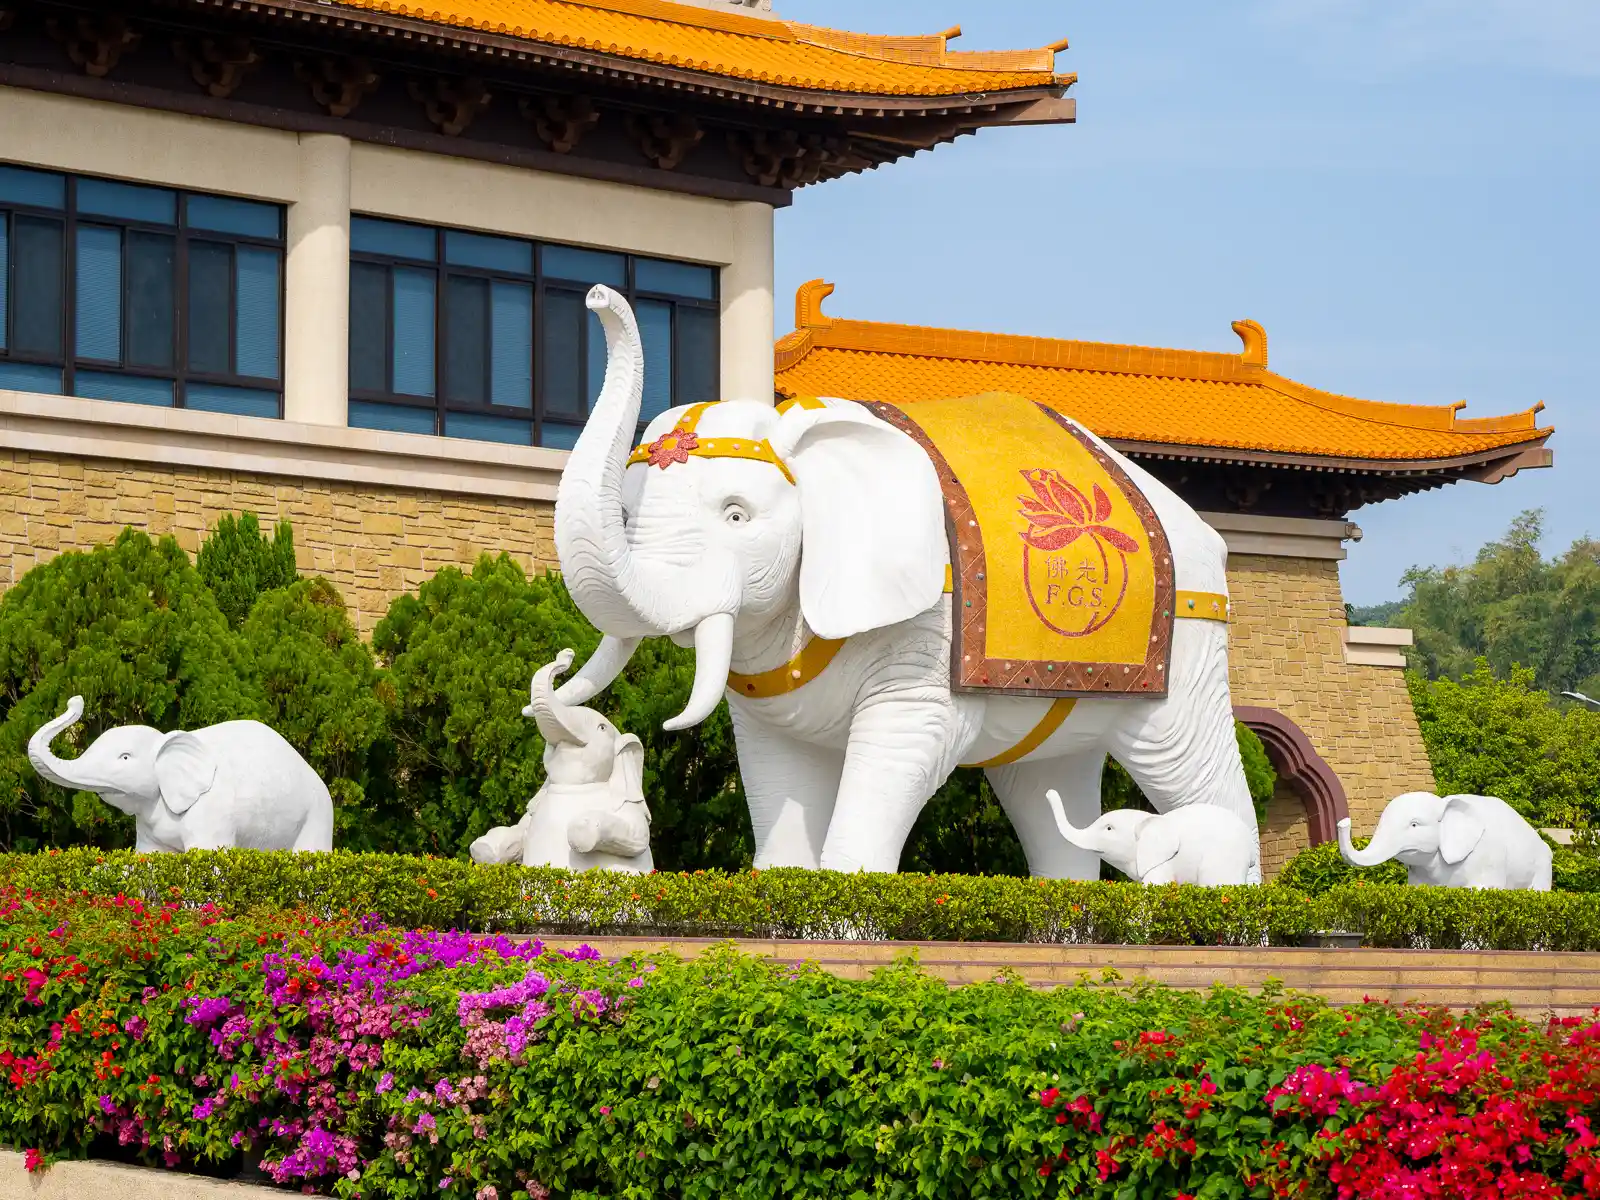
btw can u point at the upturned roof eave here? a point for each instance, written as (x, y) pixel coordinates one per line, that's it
(508, 50)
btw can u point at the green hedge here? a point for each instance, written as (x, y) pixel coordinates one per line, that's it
(448, 893)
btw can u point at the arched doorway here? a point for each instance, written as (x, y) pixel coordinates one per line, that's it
(1300, 766)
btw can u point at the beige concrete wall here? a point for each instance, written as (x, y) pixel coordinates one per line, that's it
(1286, 650)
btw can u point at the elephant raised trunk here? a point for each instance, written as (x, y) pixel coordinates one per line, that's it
(608, 582)
(50, 767)
(627, 594)
(1377, 851)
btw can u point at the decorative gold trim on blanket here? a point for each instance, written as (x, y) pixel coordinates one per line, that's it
(1202, 606)
(1048, 724)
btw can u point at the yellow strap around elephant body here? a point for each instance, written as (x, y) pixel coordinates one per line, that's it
(1048, 724)
(1202, 606)
(800, 670)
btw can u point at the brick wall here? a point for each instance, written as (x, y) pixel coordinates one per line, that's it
(1286, 652)
(1285, 830)
(373, 543)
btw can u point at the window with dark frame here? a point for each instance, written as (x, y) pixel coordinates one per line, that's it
(120, 291)
(470, 335)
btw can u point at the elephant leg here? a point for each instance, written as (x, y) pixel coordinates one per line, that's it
(790, 787)
(1021, 788)
(1182, 750)
(900, 751)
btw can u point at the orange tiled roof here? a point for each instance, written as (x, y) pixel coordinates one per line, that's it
(763, 50)
(1186, 398)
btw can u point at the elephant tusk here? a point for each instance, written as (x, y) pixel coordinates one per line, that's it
(713, 655)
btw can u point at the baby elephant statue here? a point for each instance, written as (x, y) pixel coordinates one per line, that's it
(1455, 841)
(234, 784)
(1200, 843)
(591, 810)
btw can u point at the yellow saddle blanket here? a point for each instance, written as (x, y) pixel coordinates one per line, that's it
(1062, 576)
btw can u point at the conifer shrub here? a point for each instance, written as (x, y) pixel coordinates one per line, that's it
(238, 563)
(322, 690)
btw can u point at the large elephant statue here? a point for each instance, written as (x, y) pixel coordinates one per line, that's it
(809, 549)
(234, 784)
(591, 811)
(1455, 841)
(1194, 844)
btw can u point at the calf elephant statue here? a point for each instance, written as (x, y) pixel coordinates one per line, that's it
(1455, 841)
(1194, 844)
(234, 784)
(591, 810)
(805, 556)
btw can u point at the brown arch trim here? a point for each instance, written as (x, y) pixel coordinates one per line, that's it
(1301, 767)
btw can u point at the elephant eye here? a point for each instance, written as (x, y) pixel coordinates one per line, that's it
(124, 757)
(735, 513)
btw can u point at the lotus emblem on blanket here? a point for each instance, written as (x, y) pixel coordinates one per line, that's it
(1074, 563)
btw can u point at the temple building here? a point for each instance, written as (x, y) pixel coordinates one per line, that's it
(1275, 467)
(325, 260)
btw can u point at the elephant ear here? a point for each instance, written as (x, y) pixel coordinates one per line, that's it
(185, 771)
(872, 519)
(1460, 829)
(1155, 843)
(627, 769)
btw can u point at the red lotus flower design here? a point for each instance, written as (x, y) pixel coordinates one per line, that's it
(671, 447)
(1058, 514)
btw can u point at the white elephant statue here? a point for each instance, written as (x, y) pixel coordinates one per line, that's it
(808, 549)
(234, 784)
(591, 810)
(1455, 841)
(1197, 843)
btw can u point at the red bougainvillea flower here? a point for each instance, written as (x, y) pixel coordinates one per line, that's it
(33, 1160)
(1058, 514)
(672, 447)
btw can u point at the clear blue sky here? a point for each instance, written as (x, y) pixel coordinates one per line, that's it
(1405, 193)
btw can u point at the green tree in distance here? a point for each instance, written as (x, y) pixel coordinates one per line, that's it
(1511, 607)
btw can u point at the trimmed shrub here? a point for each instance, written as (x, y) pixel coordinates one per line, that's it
(132, 628)
(239, 563)
(376, 1063)
(792, 903)
(1317, 869)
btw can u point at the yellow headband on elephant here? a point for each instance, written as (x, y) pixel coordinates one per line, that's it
(681, 441)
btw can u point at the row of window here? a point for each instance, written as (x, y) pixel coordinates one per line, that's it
(124, 292)
(488, 337)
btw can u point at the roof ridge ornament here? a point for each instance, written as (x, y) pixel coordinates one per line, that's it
(1254, 338)
(808, 298)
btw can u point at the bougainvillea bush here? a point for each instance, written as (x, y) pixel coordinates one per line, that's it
(361, 1061)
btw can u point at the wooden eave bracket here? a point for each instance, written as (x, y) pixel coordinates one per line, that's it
(1528, 458)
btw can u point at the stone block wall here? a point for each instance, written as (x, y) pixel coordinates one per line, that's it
(372, 543)
(1286, 652)
(1285, 830)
